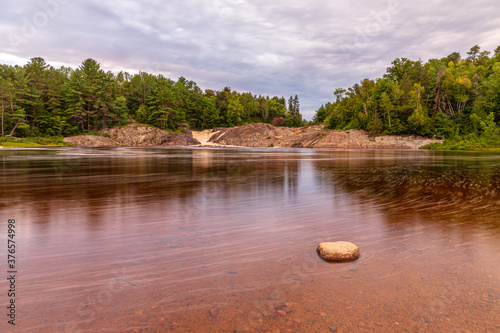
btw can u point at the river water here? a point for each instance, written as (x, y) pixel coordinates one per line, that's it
(223, 240)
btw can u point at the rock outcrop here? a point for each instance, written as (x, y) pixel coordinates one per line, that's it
(252, 135)
(266, 135)
(134, 135)
(90, 141)
(338, 251)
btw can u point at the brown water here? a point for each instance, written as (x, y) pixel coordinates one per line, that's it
(223, 240)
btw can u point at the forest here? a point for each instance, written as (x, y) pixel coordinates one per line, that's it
(39, 100)
(449, 98)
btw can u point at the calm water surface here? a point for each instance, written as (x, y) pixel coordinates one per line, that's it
(223, 240)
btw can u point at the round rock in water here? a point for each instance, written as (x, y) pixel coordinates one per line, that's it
(338, 251)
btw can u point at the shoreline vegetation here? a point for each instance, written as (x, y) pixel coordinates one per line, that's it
(452, 99)
(33, 142)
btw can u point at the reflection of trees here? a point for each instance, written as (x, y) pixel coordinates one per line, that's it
(437, 187)
(225, 175)
(146, 177)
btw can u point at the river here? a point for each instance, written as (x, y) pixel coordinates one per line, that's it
(223, 240)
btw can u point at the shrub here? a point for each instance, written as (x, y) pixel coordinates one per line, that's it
(278, 121)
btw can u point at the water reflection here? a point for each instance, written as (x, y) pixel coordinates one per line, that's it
(434, 186)
(217, 240)
(94, 179)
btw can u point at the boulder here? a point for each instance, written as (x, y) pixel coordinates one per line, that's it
(338, 251)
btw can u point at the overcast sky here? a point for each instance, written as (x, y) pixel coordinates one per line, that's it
(307, 48)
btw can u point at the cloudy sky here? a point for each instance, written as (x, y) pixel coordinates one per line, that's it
(307, 48)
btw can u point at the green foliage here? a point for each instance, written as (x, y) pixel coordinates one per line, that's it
(210, 117)
(40, 100)
(296, 121)
(449, 98)
(321, 114)
(141, 114)
(374, 126)
(442, 126)
(490, 132)
(486, 136)
(275, 109)
(46, 141)
(234, 111)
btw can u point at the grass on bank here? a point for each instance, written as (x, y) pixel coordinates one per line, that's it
(485, 136)
(470, 142)
(55, 141)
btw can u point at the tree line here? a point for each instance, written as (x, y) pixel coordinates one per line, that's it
(39, 100)
(444, 98)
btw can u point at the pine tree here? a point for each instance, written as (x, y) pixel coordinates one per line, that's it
(296, 106)
(6, 92)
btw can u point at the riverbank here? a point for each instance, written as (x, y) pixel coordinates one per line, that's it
(464, 145)
(33, 142)
(133, 135)
(251, 135)
(266, 135)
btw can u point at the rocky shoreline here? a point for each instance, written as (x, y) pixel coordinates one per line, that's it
(252, 135)
(133, 135)
(266, 135)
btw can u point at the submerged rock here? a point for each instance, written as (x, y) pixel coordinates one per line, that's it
(214, 312)
(338, 251)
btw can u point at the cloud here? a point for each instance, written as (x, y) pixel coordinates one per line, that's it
(270, 48)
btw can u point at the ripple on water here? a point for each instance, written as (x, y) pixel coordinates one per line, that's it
(203, 240)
